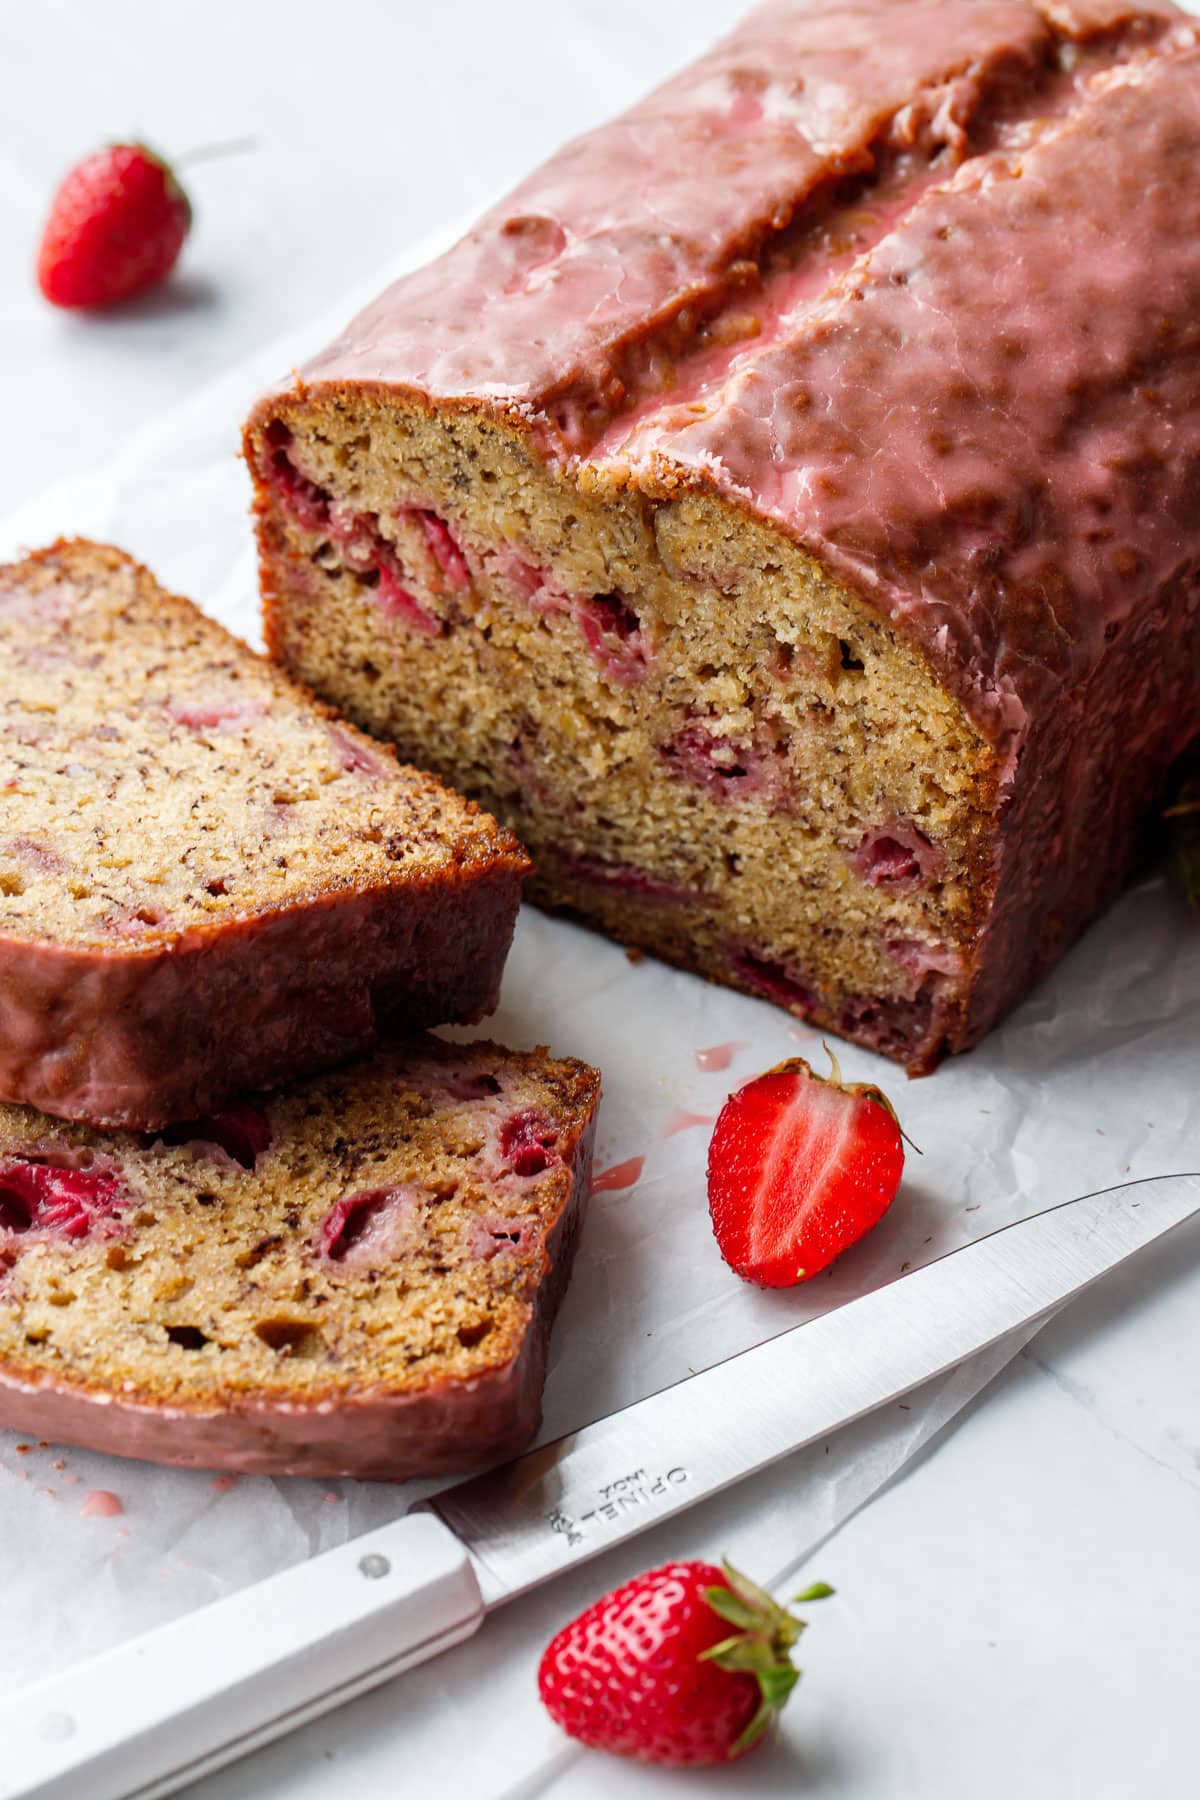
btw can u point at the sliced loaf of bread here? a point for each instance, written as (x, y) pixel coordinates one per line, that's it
(355, 1277)
(208, 882)
(784, 508)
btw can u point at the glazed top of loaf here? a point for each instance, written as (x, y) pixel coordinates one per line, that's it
(919, 280)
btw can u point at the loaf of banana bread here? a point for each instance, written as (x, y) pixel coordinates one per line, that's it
(784, 508)
(208, 882)
(356, 1276)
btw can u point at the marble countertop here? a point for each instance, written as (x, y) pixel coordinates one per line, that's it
(1016, 1614)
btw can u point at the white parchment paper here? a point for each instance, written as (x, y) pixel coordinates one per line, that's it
(1092, 1081)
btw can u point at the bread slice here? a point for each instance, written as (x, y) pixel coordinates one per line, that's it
(782, 509)
(208, 882)
(354, 1277)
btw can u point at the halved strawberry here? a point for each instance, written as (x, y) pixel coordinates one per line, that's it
(800, 1167)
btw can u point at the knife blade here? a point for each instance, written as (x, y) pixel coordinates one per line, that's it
(151, 1715)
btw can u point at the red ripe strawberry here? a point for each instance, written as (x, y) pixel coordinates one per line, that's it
(652, 1671)
(116, 227)
(799, 1168)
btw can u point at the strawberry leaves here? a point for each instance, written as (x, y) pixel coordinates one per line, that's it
(762, 1644)
(653, 1671)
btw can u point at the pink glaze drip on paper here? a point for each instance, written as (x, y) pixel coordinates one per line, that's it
(100, 1504)
(685, 1121)
(619, 1177)
(719, 1056)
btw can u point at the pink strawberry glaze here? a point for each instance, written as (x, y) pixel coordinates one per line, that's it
(719, 1056)
(619, 1176)
(685, 1121)
(241, 1131)
(48, 1201)
(1016, 490)
(100, 1504)
(94, 1034)
(372, 1228)
(897, 855)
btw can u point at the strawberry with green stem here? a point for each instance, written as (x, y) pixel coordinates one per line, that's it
(653, 1671)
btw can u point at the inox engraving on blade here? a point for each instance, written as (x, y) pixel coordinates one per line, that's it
(581, 1495)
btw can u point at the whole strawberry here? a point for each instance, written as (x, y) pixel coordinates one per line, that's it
(799, 1168)
(116, 227)
(653, 1671)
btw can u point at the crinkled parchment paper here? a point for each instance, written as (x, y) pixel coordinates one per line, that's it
(1092, 1081)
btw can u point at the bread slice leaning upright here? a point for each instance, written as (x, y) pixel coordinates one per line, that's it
(208, 882)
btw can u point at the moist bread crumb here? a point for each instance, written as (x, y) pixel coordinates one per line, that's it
(353, 1277)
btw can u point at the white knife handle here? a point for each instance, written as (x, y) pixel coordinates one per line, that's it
(147, 1717)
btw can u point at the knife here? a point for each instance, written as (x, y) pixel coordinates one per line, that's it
(153, 1714)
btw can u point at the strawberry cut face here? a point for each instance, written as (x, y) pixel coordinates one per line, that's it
(613, 633)
(361, 545)
(528, 1144)
(799, 1169)
(39, 1199)
(443, 546)
(374, 1228)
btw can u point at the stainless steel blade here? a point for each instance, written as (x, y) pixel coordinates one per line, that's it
(559, 1505)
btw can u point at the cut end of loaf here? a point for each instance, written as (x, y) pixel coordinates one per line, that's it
(713, 750)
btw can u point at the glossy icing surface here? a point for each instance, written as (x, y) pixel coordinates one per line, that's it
(906, 278)
(138, 1038)
(994, 422)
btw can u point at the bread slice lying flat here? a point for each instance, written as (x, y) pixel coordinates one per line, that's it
(208, 882)
(355, 1277)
